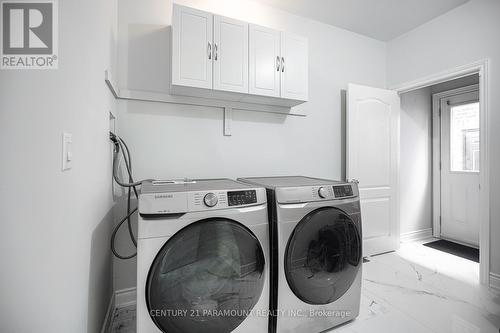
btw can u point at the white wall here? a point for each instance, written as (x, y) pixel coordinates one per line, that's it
(464, 35)
(54, 253)
(186, 141)
(416, 161)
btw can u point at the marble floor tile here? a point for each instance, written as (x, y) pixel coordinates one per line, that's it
(376, 315)
(435, 288)
(124, 320)
(413, 290)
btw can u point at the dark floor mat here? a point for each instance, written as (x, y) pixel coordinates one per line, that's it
(459, 250)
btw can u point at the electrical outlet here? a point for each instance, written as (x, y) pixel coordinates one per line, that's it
(67, 151)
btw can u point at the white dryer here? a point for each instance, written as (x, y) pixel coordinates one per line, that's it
(316, 257)
(202, 257)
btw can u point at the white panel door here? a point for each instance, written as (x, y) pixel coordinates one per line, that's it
(230, 54)
(294, 67)
(373, 159)
(191, 47)
(265, 61)
(460, 168)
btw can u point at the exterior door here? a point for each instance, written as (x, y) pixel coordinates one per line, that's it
(192, 47)
(460, 156)
(265, 61)
(230, 55)
(373, 159)
(294, 67)
(209, 267)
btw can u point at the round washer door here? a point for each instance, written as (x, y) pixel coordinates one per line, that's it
(323, 256)
(206, 278)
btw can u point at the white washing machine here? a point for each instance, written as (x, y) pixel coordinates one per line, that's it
(202, 257)
(316, 260)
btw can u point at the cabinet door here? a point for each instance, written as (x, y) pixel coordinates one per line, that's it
(230, 55)
(191, 47)
(294, 67)
(265, 60)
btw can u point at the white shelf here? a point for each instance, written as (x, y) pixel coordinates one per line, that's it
(155, 97)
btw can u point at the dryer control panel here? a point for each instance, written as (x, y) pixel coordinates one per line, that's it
(343, 191)
(316, 193)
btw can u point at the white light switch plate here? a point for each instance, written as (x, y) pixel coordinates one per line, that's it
(67, 151)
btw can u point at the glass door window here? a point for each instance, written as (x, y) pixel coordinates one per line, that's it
(206, 278)
(464, 137)
(323, 256)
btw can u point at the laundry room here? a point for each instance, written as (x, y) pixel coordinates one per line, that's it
(249, 166)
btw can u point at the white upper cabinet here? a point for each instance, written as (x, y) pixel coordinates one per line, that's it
(265, 60)
(192, 47)
(230, 55)
(294, 67)
(231, 60)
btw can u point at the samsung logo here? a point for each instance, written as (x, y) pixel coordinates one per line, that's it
(164, 196)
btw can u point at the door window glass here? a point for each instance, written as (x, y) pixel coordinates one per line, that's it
(206, 278)
(323, 256)
(464, 137)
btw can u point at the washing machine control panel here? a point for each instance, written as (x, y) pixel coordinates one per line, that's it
(207, 200)
(245, 197)
(343, 191)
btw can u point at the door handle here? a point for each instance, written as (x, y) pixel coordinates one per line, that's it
(282, 64)
(209, 51)
(277, 63)
(215, 52)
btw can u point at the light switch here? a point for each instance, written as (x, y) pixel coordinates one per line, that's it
(67, 151)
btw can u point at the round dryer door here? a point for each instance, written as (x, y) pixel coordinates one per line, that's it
(323, 256)
(206, 278)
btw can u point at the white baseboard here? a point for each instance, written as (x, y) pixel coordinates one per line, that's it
(119, 299)
(495, 282)
(417, 235)
(125, 297)
(109, 315)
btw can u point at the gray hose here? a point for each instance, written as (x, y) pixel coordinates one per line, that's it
(121, 145)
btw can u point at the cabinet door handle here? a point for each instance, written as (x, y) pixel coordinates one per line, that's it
(215, 52)
(277, 63)
(209, 51)
(282, 64)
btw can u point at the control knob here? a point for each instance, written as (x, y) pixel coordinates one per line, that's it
(322, 192)
(210, 199)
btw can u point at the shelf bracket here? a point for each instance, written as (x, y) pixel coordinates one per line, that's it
(228, 117)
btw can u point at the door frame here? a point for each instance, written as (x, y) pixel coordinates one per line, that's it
(436, 152)
(482, 68)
